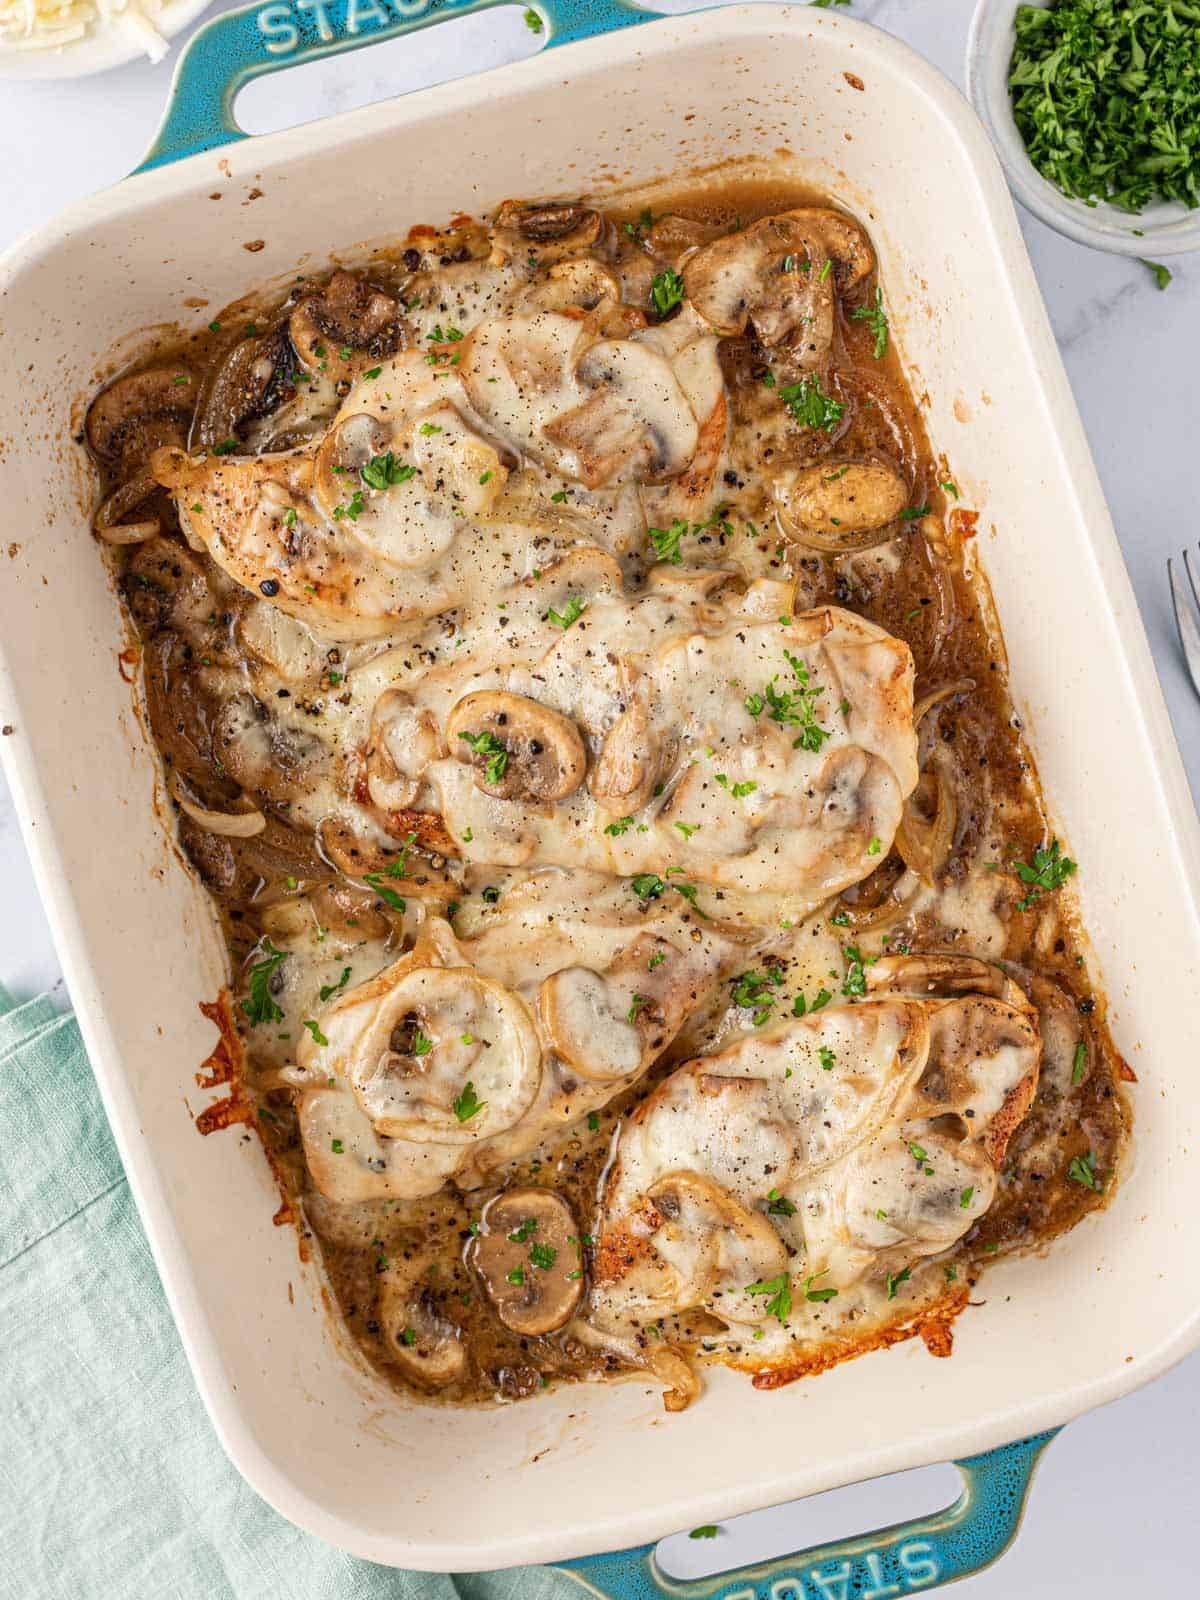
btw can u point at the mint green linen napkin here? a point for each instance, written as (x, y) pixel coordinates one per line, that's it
(112, 1483)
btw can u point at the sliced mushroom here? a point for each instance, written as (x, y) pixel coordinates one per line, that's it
(780, 275)
(403, 740)
(840, 505)
(520, 749)
(264, 750)
(583, 284)
(135, 415)
(545, 229)
(435, 1054)
(530, 1260)
(629, 763)
(125, 424)
(675, 238)
(714, 1243)
(348, 314)
(254, 378)
(636, 426)
(610, 1024)
(422, 1340)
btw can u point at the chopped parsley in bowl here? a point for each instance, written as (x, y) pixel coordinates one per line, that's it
(1094, 108)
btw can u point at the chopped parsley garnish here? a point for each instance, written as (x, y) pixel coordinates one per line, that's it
(1079, 1064)
(647, 885)
(620, 826)
(259, 1005)
(526, 1231)
(739, 791)
(637, 1003)
(818, 1295)
(840, 919)
(408, 1335)
(643, 224)
(1050, 870)
(352, 508)
(226, 447)
(921, 1157)
(666, 542)
(381, 472)
(372, 372)
(855, 981)
(490, 895)
(873, 314)
(593, 1121)
(571, 612)
(951, 1273)
(793, 707)
(337, 1147)
(800, 1007)
(687, 829)
(487, 744)
(1082, 1171)
(874, 847)
(966, 1196)
(427, 428)
(422, 1044)
(1107, 99)
(894, 1280)
(543, 1256)
(468, 1103)
(656, 960)
(328, 989)
(450, 336)
(709, 1530)
(532, 20)
(911, 513)
(517, 1276)
(752, 991)
(950, 487)
(315, 1030)
(779, 1305)
(779, 1205)
(666, 292)
(827, 1058)
(810, 405)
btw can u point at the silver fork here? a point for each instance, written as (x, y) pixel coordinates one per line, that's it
(1186, 608)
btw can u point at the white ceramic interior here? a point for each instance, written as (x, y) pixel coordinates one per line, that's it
(1166, 228)
(595, 1467)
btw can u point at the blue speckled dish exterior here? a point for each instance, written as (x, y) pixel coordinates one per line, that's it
(917, 1555)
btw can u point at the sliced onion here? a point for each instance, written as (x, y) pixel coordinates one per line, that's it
(944, 691)
(108, 524)
(682, 1380)
(925, 845)
(890, 909)
(229, 824)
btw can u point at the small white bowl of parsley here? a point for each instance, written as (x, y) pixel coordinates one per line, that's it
(1094, 108)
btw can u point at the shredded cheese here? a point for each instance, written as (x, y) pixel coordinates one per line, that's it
(51, 24)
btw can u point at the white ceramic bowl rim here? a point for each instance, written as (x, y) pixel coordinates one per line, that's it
(1167, 228)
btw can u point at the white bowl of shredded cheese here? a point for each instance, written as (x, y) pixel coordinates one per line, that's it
(73, 38)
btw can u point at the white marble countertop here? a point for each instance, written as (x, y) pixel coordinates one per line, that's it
(1130, 1469)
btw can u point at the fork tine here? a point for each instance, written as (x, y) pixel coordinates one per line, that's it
(1185, 617)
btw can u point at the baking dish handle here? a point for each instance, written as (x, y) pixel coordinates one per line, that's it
(227, 52)
(918, 1555)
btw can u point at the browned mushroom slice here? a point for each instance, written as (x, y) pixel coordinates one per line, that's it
(349, 315)
(547, 230)
(841, 505)
(520, 749)
(422, 1340)
(125, 424)
(675, 238)
(252, 380)
(528, 1257)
